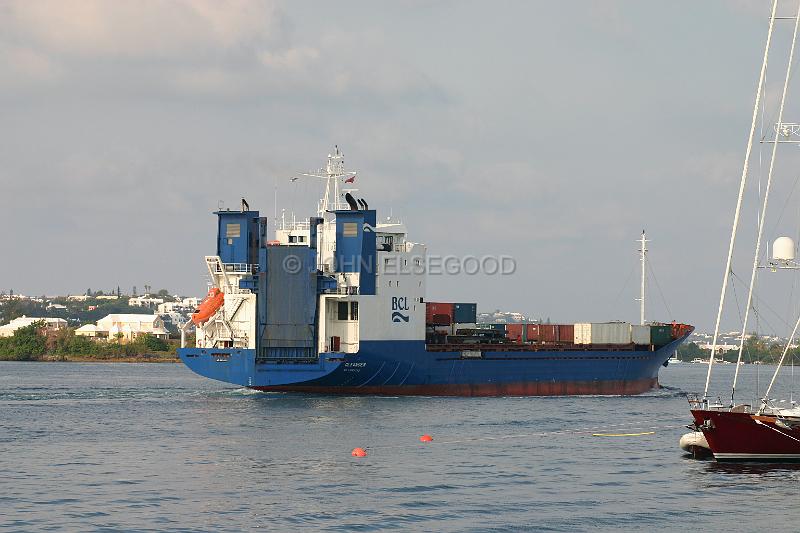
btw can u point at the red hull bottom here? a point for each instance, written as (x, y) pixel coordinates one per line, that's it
(483, 389)
(747, 437)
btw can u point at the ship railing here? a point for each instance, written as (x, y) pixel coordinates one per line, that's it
(237, 268)
(343, 291)
(295, 225)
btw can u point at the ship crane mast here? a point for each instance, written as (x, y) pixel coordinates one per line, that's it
(334, 170)
(643, 259)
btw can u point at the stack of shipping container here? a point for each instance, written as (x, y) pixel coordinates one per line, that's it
(456, 322)
(585, 333)
(445, 319)
(541, 333)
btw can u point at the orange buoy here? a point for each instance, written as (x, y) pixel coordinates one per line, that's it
(359, 452)
(425, 438)
(209, 306)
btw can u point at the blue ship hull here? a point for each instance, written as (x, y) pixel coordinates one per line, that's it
(407, 368)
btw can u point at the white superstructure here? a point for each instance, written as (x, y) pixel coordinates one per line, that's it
(343, 313)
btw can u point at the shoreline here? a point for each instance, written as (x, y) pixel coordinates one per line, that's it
(90, 359)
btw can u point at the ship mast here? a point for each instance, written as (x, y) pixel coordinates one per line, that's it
(643, 259)
(332, 173)
(334, 169)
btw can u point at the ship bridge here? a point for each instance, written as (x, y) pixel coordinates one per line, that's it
(322, 285)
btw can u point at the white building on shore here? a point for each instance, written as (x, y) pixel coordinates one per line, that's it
(721, 347)
(186, 305)
(145, 301)
(51, 324)
(125, 327)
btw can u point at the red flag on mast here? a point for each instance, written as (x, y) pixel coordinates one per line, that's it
(351, 179)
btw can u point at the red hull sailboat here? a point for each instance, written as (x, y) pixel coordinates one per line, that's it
(768, 432)
(740, 435)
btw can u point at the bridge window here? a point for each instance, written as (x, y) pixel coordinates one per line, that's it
(353, 310)
(341, 311)
(232, 231)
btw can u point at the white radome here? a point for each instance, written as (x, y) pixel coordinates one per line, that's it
(783, 249)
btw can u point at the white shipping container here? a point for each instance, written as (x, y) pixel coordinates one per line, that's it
(640, 334)
(611, 333)
(583, 333)
(463, 325)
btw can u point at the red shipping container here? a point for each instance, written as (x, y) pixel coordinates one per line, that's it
(440, 320)
(514, 332)
(566, 333)
(438, 308)
(548, 333)
(534, 333)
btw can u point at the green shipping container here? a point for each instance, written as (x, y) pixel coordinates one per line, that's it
(660, 335)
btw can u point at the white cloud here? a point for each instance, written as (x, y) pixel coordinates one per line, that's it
(205, 80)
(214, 48)
(719, 169)
(149, 28)
(24, 66)
(299, 58)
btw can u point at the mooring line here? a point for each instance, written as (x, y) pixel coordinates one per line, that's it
(632, 431)
(623, 434)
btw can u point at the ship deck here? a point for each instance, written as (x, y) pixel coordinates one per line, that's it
(541, 347)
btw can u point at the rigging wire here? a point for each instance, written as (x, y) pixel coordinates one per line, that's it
(772, 329)
(774, 228)
(757, 298)
(774, 232)
(663, 300)
(763, 208)
(737, 212)
(763, 103)
(792, 311)
(761, 225)
(738, 308)
(624, 285)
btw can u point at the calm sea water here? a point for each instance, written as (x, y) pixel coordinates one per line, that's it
(153, 447)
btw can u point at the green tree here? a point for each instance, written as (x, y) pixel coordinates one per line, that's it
(689, 351)
(152, 343)
(28, 342)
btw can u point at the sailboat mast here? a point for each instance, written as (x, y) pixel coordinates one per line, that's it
(764, 208)
(737, 213)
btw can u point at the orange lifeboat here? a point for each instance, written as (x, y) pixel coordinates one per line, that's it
(208, 306)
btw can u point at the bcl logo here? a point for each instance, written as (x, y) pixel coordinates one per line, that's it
(399, 303)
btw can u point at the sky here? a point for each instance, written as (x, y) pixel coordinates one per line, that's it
(553, 132)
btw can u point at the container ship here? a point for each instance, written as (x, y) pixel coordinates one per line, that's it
(336, 303)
